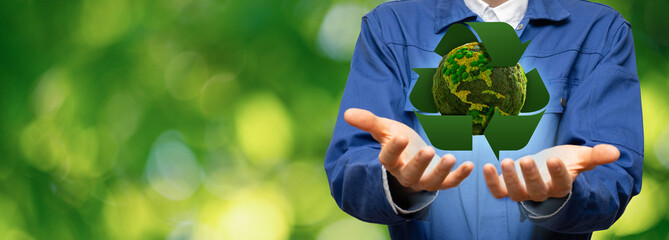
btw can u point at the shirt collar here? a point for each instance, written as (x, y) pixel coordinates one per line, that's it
(452, 11)
(511, 10)
(478, 6)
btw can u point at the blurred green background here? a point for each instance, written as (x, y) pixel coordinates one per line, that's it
(209, 119)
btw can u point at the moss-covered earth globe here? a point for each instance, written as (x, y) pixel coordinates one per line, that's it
(465, 85)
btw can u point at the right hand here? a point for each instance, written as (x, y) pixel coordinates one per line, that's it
(406, 156)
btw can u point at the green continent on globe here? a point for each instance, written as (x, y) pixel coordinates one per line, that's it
(464, 85)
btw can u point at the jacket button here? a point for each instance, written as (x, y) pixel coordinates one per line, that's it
(563, 102)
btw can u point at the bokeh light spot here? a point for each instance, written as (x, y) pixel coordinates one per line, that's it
(172, 168)
(123, 115)
(82, 152)
(17, 234)
(51, 91)
(308, 191)
(193, 230)
(227, 174)
(11, 216)
(260, 216)
(638, 216)
(185, 75)
(220, 134)
(218, 95)
(661, 147)
(43, 145)
(339, 30)
(655, 112)
(351, 229)
(264, 129)
(128, 214)
(655, 115)
(104, 21)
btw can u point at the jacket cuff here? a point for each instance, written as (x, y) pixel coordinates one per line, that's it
(538, 211)
(405, 203)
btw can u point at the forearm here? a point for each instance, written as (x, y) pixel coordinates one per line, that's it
(356, 183)
(406, 202)
(597, 198)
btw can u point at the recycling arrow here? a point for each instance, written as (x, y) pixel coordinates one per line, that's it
(461, 34)
(537, 96)
(458, 136)
(510, 132)
(421, 97)
(501, 42)
(454, 132)
(451, 132)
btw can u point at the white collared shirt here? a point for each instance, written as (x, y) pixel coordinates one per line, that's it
(510, 12)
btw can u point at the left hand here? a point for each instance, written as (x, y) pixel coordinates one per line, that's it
(549, 173)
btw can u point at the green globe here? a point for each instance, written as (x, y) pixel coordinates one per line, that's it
(464, 85)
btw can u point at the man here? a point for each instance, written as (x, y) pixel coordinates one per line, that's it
(577, 173)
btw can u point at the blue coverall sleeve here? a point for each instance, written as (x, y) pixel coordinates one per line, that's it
(604, 108)
(354, 172)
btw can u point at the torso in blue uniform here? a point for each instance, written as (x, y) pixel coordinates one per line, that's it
(569, 40)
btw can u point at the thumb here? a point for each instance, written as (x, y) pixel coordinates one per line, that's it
(604, 153)
(366, 121)
(599, 155)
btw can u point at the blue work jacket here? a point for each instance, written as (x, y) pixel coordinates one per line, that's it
(584, 52)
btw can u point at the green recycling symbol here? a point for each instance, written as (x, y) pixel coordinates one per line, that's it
(503, 132)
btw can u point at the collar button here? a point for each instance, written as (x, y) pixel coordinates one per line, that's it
(519, 27)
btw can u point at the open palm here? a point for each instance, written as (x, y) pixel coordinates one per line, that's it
(549, 173)
(406, 156)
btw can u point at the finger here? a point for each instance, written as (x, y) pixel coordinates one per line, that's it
(604, 153)
(534, 183)
(496, 187)
(599, 155)
(455, 178)
(432, 181)
(413, 170)
(391, 152)
(366, 121)
(560, 183)
(514, 188)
